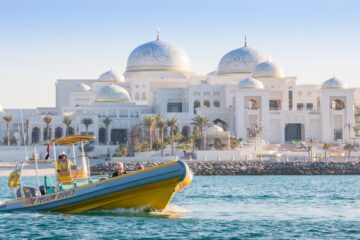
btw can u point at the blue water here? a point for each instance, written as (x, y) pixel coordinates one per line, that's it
(237, 207)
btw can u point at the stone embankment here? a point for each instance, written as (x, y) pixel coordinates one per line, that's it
(250, 168)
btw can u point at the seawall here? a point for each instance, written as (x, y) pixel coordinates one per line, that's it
(207, 168)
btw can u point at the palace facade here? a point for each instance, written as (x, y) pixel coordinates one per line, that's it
(248, 95)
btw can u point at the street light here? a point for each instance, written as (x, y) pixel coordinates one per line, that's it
(349, 125)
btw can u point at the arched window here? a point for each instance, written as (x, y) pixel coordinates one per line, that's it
(185, 131)
(58, 132)
(253, 104)
(35, 135)
(71, 131)
(47, 134)
(216, 103)
(143, 96)
(196, 105)
(221, 123)
(207, 103)
(102, 135)
(137, 96)
(337, 104)
(274, 105)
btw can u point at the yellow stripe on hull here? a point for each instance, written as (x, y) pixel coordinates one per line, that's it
(154, 196)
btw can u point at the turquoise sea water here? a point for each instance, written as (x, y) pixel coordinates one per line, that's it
(237, 207)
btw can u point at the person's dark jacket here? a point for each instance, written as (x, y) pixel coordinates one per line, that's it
(116, 174)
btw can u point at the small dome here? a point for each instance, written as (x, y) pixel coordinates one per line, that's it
(111, 76)
(158, 56)
(112, 93)
(215, 129)
(268, 69)
(334, 83)
(82, 87)
(241, 60)
(251, 83)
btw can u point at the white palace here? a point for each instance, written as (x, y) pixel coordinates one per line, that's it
(247, 95)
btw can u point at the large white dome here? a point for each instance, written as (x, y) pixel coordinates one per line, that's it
(111, 76)
(112, 93)
(251, 83)
(158, 56)
(334, 83)
(214, 129)
(268, 69)
(241, 60)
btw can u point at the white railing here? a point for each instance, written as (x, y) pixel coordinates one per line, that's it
(145, 159)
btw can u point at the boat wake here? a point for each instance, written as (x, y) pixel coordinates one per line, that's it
(172, 211)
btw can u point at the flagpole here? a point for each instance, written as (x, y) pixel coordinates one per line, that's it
(23, 133)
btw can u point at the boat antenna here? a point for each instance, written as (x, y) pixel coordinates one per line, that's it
(23, 134)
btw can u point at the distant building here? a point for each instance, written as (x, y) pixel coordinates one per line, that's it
(248, 95)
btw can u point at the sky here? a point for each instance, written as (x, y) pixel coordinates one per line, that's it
(42, 41)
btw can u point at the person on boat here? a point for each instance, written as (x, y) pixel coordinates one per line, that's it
(63, 164)
(120, 170)
(139, 166)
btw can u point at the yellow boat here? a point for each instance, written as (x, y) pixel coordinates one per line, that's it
(76, 191)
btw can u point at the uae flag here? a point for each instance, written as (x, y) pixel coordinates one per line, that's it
(47, 152)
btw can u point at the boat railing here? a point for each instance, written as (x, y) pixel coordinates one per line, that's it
(78, 172)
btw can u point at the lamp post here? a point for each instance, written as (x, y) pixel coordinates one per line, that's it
(349, 125)
(258, 130)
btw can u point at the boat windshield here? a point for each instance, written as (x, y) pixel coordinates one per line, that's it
(71, 167)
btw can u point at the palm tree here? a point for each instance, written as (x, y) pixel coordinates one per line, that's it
(122, 151)
(201, 123)
(149, 122)
(349, 147)
(107, 122)
(67, 121)
(87, 122)
(87, 148)
(8, 119)
(172, 123)
(309, 150)
(47, 120)
(326, 147)
(161, 125)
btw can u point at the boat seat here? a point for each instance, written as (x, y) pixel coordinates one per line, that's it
(49, 185)
(50, 190)
(48, 181)
(65, 187)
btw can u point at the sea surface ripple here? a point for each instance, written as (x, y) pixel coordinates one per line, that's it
(216, 207)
